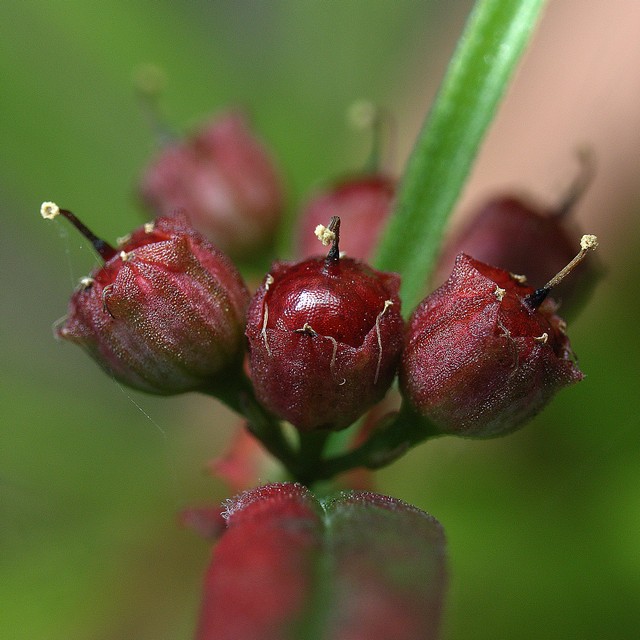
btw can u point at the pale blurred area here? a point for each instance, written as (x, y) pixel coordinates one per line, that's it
(578, 86)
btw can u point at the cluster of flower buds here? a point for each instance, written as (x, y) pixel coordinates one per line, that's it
(169, 313)
(322, 340)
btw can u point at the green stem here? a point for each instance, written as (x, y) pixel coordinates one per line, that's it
(392, 438)
(487, 53)
(373, 163)
(312, 446)
(387, 443)
(235, 391)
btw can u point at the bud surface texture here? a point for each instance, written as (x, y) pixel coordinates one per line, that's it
(478, 360)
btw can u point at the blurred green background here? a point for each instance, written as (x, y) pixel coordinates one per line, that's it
(543, 526)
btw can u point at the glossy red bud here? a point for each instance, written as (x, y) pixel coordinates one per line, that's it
(362, 203)
(225, 179)
(486, 352)
(325, 339)
(164, 314)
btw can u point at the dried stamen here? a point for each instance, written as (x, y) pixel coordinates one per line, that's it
(105, 307)
(326, 236)
(50, 210)
(263, 331)
(122, 240)
(535, 299)
(332, 364)
(86, 282)
(307, 329)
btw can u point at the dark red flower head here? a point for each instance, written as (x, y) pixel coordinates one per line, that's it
(325, 337)
(485, 352)
(164, 314)
(226, 181)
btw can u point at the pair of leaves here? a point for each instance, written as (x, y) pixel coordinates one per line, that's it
(357, 566)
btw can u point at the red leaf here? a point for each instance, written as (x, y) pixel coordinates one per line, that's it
(360, 566)
(243, 463)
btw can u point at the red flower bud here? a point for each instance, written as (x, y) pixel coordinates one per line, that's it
(225, 180)
(485, 352)
(325, 338)
(522, 237)
(363, 204)
(515, 236)
(164, 314)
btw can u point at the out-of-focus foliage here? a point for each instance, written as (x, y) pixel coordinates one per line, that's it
(358, 565)
(541, 526)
